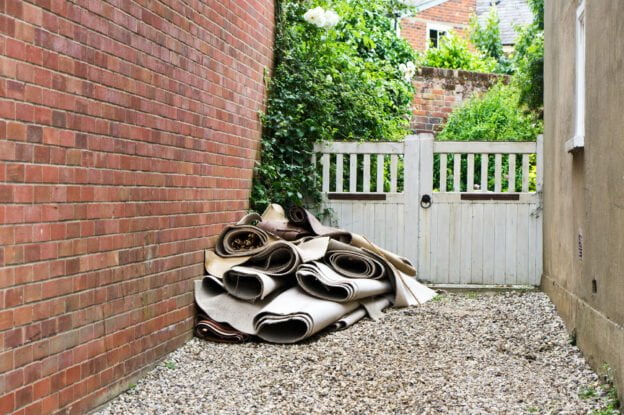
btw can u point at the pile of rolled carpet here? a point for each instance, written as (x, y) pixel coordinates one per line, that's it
(284, 276)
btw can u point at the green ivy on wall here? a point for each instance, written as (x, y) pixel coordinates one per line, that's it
(341, 73)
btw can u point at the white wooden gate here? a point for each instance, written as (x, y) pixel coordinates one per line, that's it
(462, 212)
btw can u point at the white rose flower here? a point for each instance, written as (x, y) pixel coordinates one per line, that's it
(315, 16)
(331, 18)
(408, 70)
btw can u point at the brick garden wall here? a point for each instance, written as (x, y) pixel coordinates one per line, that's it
(453, 13)
(439, 91)
(128, 133)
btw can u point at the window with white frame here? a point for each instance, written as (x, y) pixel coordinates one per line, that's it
(578, 141)
(434, 34)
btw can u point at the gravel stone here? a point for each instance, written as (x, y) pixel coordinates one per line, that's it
(459, 354)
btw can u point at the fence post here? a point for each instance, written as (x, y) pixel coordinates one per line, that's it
(411, 190)
(425, 178)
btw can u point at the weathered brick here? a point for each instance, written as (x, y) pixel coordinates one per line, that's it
(439, 91)
(7, 403)
(23, 396)
(34, 134)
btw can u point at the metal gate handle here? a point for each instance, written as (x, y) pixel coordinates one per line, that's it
(426, 201)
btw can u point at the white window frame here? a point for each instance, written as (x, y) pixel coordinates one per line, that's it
(577, 142)
(436, 26)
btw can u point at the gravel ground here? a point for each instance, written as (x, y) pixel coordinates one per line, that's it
(459, 354)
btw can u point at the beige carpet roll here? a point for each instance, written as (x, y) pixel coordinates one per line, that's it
(353, 262)
(241, 240)
(301, 217)
(294, 315)
(217, 266)
(216, 303)
(372, 307)
(278, 258)
(408, 291)
(271, 269)
(321, 281)
(402, 264)
(348, 319)
(252, 284)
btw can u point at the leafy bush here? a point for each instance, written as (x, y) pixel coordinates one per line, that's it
(341, 82)
(453, 52)
(529, 60)
(491, 116)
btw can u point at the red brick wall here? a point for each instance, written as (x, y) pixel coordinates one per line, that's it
(455, 13)
(439, 91)
(128, 133)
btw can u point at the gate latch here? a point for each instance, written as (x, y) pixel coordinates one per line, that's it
(426, 201)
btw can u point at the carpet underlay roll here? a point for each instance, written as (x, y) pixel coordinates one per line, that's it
(293, 316)
(251, 284)
(284, 276)
(319, 280)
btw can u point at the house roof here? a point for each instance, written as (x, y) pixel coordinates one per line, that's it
(510, 12)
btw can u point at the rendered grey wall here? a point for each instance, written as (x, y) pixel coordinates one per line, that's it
(584, 192)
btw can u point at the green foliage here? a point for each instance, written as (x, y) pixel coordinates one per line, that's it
(607, 389)
(453, 53)
(486, 38)
(528, 59)
(491, 116)
(537, 7)
(338, 83)
(588, 393)
(439, 298)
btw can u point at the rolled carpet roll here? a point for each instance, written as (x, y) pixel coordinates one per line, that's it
(215, 302)
(294, 315)
(252, 284)
(263, 273)
(241, 240)
(217, 266)
(301, 217)
(208, 329)
(402, 264)
(284, 229)
(353, 262)
(371, 307)
(275, 221)
(348, 319)
(321, 281)
(278, 258)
